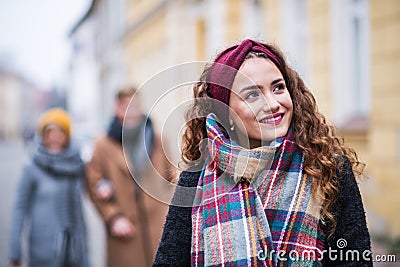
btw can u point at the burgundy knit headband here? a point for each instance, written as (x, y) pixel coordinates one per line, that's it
(223, 72)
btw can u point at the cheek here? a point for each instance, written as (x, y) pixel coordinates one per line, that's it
(63, 138)
(45, 139)
(290, 107)
(241, 112)
(245, 119)
(60, 137)
(288, 101)
(120, 113)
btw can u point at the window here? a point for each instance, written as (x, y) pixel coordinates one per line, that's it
(350, 60)
(252, 19)
(294, 29)
(214, 25)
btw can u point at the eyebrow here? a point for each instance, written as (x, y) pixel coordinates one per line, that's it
(253, 86)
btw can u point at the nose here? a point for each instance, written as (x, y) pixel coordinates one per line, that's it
(271, 104)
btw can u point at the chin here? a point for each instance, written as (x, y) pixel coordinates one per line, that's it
(272, 135)
(281, 132)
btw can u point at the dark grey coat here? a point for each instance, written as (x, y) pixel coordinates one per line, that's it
(48, 202)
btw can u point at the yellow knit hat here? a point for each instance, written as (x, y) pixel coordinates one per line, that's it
(57, 116)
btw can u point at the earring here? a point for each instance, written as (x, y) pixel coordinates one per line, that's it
(232, 128)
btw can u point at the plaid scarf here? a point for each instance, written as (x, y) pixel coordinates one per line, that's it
(253, 207)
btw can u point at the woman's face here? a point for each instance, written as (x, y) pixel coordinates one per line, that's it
(261, 106)
(54, 138)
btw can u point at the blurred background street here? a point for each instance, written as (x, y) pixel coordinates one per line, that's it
(75, 54)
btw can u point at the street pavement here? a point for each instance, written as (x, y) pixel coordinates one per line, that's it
(13, 155)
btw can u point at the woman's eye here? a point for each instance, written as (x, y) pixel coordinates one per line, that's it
(252, 95)
(279, 87)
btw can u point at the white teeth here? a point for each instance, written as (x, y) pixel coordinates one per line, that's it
(271, 119)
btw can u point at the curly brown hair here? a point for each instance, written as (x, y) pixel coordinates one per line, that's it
(324, 151)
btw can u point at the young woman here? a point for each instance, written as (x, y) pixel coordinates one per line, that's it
(49, 198)
(274, 184)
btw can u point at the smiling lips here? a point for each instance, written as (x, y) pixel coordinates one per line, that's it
(273, 119)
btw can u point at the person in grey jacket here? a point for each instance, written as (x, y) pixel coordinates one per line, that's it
(48, 200)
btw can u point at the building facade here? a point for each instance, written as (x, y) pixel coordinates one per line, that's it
(97, 65)
(21, 103)
(347, 51)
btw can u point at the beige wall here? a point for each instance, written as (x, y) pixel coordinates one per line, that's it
(233, 21)
(270, 9)
(384, 147)
(320, 53)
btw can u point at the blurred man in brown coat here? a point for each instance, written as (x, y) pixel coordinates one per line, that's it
(130, 208)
